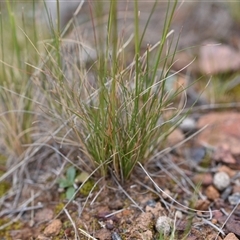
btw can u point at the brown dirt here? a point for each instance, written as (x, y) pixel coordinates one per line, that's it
(130, 211)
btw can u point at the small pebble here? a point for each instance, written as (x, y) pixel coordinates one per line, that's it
(214, 221)
(231, 236)
(231, 173)
(226, 193)
(202, 204)
(212, 193)
(197, 154)
(178, 214)
(53, 228)
(234, 199)
(151, 203)
(221, 180)
(128, 221)
(164, 225)
(188, 124)
(205, 179)
(115, 205)
(166, 194)
(109, 226)
(115, 236)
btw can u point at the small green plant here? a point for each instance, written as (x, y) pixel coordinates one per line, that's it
(71, 182)
(68, 182)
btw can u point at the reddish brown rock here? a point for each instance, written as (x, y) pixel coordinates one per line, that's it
(227, 170)
(211, 58)
(103, 234)
(222, 128)
(205, 179)
(212, 193)
(53, 228)
(231, 236)
(202, 205)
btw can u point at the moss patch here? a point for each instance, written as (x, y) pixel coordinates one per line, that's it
(87, 187)
(6, 232)
(4, 187)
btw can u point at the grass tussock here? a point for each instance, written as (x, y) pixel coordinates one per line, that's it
(115, 108)
(116, 114)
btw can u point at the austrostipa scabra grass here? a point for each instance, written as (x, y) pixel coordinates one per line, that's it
(117, 105)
